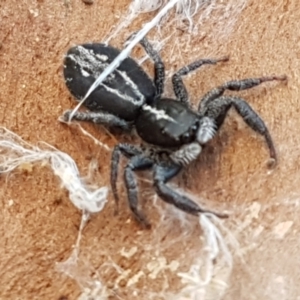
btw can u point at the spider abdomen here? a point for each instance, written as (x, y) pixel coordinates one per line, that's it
(121, 94)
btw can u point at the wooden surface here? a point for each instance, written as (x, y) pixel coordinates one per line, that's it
(39, 225)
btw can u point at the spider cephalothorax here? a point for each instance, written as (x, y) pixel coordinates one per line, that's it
(172, 130)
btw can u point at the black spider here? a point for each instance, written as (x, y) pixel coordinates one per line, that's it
(172, 131)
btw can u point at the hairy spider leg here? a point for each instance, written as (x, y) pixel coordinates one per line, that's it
(216, 106)
(179, 88)
(159, 67)
(234, 85)
(162, 174)
(128, 151)
(99, 117)
(138, 161)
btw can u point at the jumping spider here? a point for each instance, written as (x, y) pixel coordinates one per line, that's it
(172, 132)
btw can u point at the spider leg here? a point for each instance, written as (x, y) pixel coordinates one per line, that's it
(178, 85)
(121, 149)
(159, 67)
(234, 85)
(186, 154)
(136, 163)
(162, 174)
(217, 110)
(98, 118)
